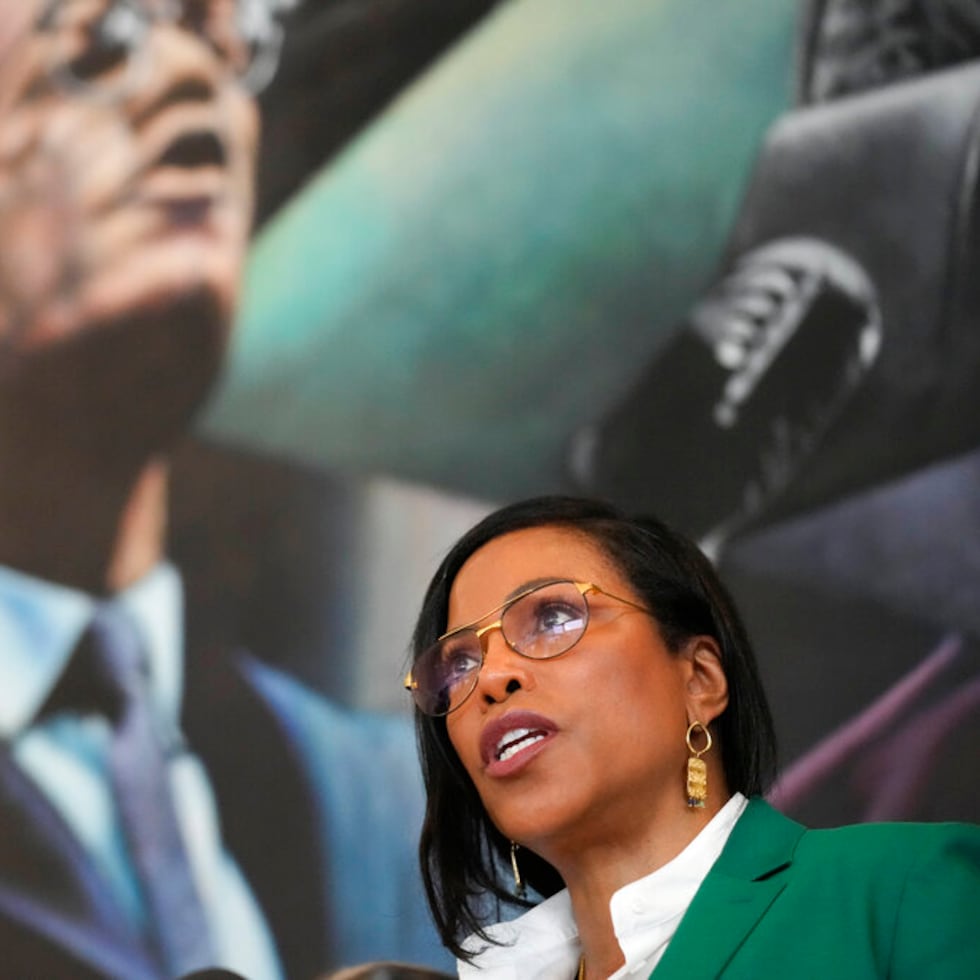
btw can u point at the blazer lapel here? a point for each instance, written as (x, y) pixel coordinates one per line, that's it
(49, 888)
(744, 882)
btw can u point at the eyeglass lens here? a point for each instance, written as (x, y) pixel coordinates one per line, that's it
(541, 624)
(96, 42)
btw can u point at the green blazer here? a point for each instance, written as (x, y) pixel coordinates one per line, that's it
(873, 900)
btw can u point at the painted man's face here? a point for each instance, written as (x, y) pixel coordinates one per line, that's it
(127, 152)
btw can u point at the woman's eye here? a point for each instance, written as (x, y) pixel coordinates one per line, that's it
(459, 660)
(557, 617)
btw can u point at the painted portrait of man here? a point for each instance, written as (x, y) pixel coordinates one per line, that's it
(163, 809)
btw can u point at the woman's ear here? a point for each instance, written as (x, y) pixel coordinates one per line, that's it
(707, 685)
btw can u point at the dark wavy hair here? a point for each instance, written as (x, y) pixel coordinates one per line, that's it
(460, 850)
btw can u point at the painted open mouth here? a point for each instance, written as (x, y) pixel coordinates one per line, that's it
(196, 149)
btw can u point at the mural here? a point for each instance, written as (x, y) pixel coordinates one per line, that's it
(168, 800)
(292, 292)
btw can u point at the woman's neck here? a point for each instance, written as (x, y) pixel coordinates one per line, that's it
(593, 874)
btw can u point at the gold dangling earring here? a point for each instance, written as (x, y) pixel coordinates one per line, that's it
(519, 890)
(697, 770)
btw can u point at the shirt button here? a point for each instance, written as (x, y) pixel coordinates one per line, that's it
(637, 907)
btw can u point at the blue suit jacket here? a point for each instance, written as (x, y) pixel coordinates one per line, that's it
(875, 900)
(319, 805)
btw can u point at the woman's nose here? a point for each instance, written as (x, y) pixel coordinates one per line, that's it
(504, 671)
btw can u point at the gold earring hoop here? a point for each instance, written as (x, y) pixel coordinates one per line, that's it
(697, 770)
(519, 890)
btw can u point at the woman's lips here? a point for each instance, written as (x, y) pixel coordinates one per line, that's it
(508, 743)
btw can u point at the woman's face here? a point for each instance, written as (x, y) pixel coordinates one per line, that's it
(596, 735)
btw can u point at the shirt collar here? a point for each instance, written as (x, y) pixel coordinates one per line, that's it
(543, 942)
(41, 623)
(647, 912)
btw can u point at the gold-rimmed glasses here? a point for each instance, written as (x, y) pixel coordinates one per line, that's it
(539, 623)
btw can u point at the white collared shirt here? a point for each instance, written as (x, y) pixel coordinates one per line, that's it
(65, 755)
(543, 943)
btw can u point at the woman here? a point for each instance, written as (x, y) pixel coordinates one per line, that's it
(569, 663)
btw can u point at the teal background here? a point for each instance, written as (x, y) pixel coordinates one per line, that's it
(497, 253)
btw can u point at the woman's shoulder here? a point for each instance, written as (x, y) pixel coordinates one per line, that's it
(895, 846)
(873, 899)
(896, 850)
(888, 835)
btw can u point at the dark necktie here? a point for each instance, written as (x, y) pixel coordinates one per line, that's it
(140, 780)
